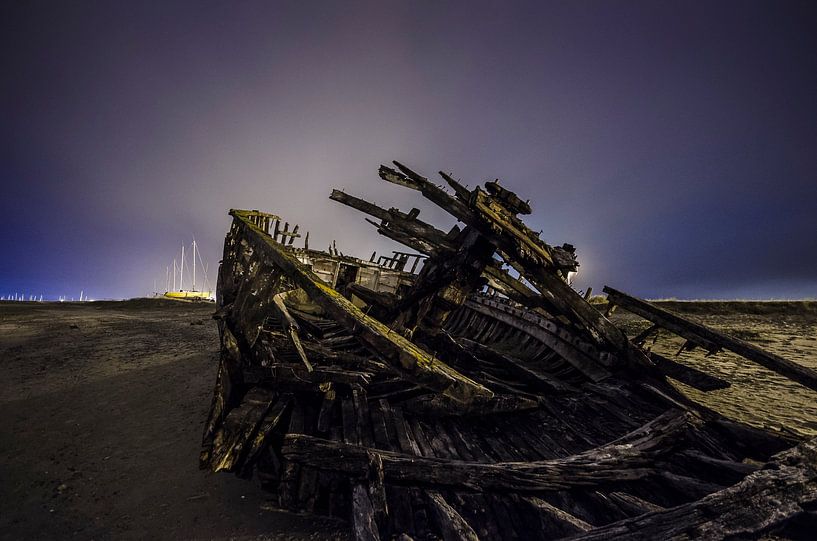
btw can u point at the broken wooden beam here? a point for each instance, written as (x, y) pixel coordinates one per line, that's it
(688, 375)
(757, 506)
(291, 327)
(449, 521)
(392, 220)
(521, 247)
(697, 332)
(628, 458)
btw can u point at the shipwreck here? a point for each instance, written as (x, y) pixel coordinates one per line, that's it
(461, 389)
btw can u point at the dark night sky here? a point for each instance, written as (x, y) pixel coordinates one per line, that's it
(675, 144)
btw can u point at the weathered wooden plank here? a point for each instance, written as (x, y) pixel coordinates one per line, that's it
(633, 504)
(268, 425)
(297, 374)
(556, 522)
(291, 327)
(519, 246)
(723, 472)
(571, 304)
(325, 414)
(288, 488)
(350, 434)
(628, 458)
(585, 364)
(689, 488)
(377, 491)
(364, 524)
(697, 332)
(441, 406)
(404, 437)
(764, 500)
(448, 520)
(362, 418)
(522, 371)
(404, 223)
(239, 429)
(687, 374)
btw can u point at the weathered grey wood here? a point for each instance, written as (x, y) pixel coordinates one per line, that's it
(628, 458)
(362, 419)
(700, 333)
(633, 504)
(687, 374)
(763, 500)
(691, 488)
(516, 290)
(327, 409)
(288, 487)
(570, 303)
(267, 426)
(401, 354)
(291, 327)
(556, 521)
(522, 370)
(449, 521)
(349, 419)
(410, 179)
(753, 442)
(364, 524)
(723, 472)
(641, 338)
(520, 247)
(660, 317)
(225, 382)
(498, 467)
(441, 406)
(297, 374)
(581, 361)
(377, 491)
(239, 428)
(393, 218)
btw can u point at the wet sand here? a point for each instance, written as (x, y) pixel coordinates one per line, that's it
(103, 406)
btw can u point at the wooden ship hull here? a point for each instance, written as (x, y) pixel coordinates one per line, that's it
(464, 401)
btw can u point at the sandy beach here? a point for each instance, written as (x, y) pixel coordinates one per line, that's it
(103, 406)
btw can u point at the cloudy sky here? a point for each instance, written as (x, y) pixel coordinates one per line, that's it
(674, 143)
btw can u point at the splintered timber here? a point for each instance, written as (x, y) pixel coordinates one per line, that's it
(479, 396)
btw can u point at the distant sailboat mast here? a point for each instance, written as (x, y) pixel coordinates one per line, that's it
(194, 263)
(181, 272)
(204, 266)
(195, 291)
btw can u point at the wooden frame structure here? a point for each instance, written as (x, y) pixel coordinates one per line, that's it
(480, 397)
